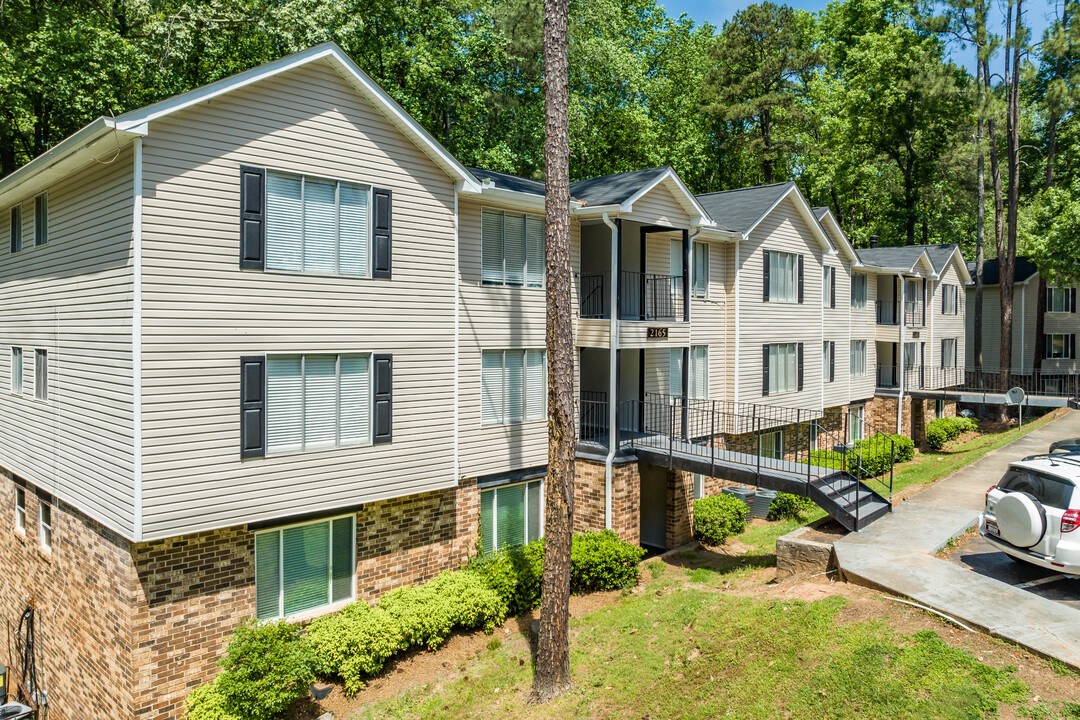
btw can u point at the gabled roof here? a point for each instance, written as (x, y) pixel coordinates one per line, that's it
(615, 189)
(506, 181)
(1025, 269)
(942, 254)
(740, 210)
(904, 258)
(825, 217)
(820, 212)
(135, 122)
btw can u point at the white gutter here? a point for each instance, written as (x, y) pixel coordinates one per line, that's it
(735, 358)
(136, 338)
(613, 344)
(457, 338)
(1023, 312)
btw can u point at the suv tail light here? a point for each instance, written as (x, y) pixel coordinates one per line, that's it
(992, 487)
(1070, 520)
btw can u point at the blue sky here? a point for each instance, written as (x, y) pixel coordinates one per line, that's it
(1036, 14)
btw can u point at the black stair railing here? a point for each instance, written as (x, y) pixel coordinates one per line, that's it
(593, 415)
(593, 296)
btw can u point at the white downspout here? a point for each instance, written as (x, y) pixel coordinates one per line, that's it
(136, 339)
(613, 344)
(1023, 312)
(901, 362)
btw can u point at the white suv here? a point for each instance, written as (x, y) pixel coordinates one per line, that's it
(1033, 513)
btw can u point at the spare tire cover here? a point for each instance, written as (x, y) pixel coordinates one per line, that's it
(1021, 519)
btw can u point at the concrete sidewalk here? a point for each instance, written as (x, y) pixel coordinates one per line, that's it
(896, 554)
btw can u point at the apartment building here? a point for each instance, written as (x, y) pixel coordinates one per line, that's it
(273, 349)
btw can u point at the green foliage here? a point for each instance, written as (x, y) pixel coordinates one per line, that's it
(905, 447)
(1056, 245)
(790, 507)
(207, 703)
(941, 431)
(267, 666)
(718, 517)
(515, 573)
(862, 461)
(601, 561)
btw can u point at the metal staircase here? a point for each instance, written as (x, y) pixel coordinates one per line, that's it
(784, 449)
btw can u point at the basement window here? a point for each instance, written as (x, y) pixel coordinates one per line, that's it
(20, 510)
(45, 525)
(511, 515)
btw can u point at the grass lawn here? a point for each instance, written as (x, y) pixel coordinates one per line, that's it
(685, 644)
(931, 466)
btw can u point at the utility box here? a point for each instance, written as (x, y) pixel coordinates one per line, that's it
(3, 684)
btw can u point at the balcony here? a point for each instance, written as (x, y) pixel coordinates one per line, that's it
(888, 312)
(914, 315)
(642, 296)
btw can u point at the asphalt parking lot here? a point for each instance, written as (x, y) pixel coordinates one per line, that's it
(978, 554)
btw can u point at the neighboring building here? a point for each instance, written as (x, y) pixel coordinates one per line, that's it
(272, 349)
(1061, 324)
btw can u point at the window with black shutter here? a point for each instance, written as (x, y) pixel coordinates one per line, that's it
(384, 398)
(252, 218)
(382, 238)
(765, 364)
(252, 406)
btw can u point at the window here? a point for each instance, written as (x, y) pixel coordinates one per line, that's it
(783, 277)
(911, 353)
(949, 303)
(511, 515)
(701, 269)
(771, 445)
(317, 226)
(45, 525)
(1058, 300)
(858, 291)
(1059, 346)
(828, 360)
(513, 386)
(41, 219)
(20, 509)
(675, 371)
(815, 430)
(304, 567)
(41, 374)
(511, 249)
(939, 409)
(948, 352)
(16, 370)
(317, 401)
(828, 287)
(783, 367)
(858, 358)
(1048, 490)
(855, 423)
(699, 486)
(16, 228)
(699, 372)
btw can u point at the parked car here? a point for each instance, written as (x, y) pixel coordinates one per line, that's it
(1068, 446)
(1033, 512)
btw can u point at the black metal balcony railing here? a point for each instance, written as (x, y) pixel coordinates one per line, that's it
(913, 314)
(649, 296)
(593, 408)
(887, 376)
(888, 312)
(1049, 382)
(592, 289)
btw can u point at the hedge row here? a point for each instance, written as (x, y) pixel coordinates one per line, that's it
(870, 457)
(941, 431)
(269, 665)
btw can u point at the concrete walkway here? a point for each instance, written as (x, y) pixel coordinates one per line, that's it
(896, 554)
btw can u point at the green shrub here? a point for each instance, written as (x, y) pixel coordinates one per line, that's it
(601, 561)
(862, 460)
(267, 666)
(790, 507)
(905, 447)
(718, 517)
(942, 430)
(514, 573)
(356, 642)
(206, 703)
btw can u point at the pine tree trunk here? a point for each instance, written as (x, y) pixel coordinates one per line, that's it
(980, 189)
(1040, 325)
(1007, 263)
(552, 677)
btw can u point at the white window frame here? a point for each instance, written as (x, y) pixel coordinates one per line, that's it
(527, 218)
(698, 366)
(857, 359)
(41, 374)
(525, 509)
(859, 291)
(777, 437)
(1049, 340)
(15, 223)
(1060, 298)
(827, 350)
(45, 527)
(950, 300)
(337, 374)
(777, 270)
(41, 220)
(525, 403)
(828, 280)
(320, 609)
(948, 353)
(20, 510)
(699, 486)
(17, 379)
(939, 409)
(701, 275)
(304, 177)
(792, 364)
(814, 430)
(855, 429)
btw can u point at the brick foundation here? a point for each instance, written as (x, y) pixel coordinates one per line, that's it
(917, 414)
(625, 499)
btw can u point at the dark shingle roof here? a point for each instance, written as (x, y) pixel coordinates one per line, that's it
(819, 212)
(740, 209)
(902, 257)
(614, 189)
(1025, 268)
(505, 181)
(940, 254)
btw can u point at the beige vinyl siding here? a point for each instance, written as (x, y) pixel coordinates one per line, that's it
(863, 327)
(496, 318)
(73, 298)
(1067, 323)
(947, 326)
(1025, 317)
(836, 327)
(731, 270)
(760, 323)
(659, 207)
(708, 324)
(202, 313)
(991, 327)
(658, 370)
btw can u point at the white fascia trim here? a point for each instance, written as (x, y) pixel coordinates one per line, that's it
(517, 199)
(735, 359)
(845, 244)
(959, 258)
(457, 337)
(136, 339)
(805, 210)
(687, 199)
(329, 51)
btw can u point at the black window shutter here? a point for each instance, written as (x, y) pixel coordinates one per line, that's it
(765, 368)
(800, 278)
(382, 239)
(832, 360)
(252, 406)
(384, 398)
(1072, 347)
(832, 288)
(1046, 345)
(765, 275)
(252, 217)
(800, 359)
(1072, 300)
(942, 352)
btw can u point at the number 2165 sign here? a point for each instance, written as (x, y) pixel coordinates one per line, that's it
(657, 333)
